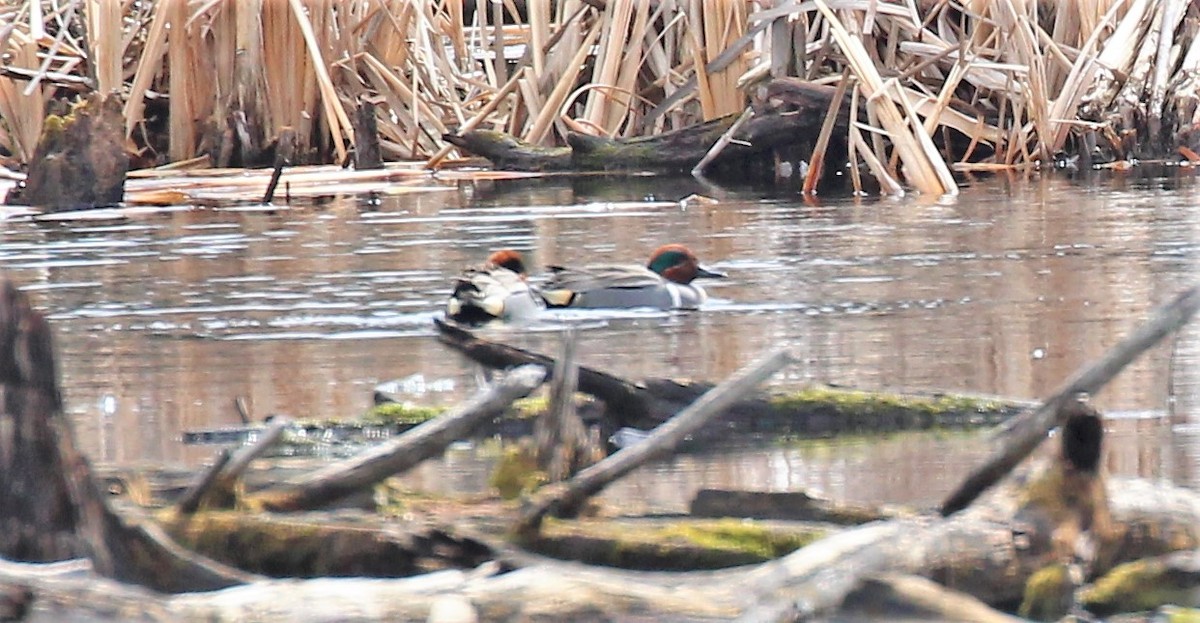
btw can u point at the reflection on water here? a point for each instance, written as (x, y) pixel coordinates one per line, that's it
(164, 319)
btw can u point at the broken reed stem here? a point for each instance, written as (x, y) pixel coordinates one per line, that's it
(722, 143)
(817, 161)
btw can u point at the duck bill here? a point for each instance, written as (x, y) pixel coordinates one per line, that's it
(704, 273)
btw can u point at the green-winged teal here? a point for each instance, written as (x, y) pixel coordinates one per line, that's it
(495, 290)
(664, 283)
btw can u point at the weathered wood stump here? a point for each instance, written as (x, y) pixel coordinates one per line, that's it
(367, 154)
(80, 160)
(42, 527)
(51, 507)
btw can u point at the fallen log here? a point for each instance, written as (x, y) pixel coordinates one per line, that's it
(331, 483)
(792, 115)
(309, 545)
(974, 552)
(814, 411)
(882, 597)
(790, 506)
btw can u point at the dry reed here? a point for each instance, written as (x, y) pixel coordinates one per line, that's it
(1016, 81)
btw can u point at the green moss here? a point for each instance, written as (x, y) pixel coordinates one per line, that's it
(530, 407)
(826, 410)
(1047, 594)
(743, 536)
(880, 403)
(1182, 615)
(516, 473)
(1134, 587)
(401, 413)
(669, 546)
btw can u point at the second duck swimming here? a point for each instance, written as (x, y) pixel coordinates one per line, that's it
(664, 283)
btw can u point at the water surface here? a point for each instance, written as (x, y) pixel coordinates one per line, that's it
(163, 319)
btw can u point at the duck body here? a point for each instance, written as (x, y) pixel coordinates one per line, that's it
(664, 283)
(495, 290)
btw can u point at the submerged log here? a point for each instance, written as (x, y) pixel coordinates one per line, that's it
(430, 439)
(791, 506)
(80, 159)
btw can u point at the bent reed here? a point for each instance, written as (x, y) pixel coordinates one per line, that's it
(937, 84)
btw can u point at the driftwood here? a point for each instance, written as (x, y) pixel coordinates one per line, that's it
(327, 485)
(881, 597)
(80, 159)
(1027, 431)
(564, 499)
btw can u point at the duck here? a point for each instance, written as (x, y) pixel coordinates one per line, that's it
(665, 282)
(495, 290)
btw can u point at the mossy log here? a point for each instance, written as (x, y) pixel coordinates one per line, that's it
(1146, 584)
(671, 544)
(791, 115)
(317, 545)
(80, 159)
(812, 411)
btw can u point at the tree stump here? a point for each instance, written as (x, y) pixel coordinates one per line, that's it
(367, 153)
(80, 161)
(42, 527)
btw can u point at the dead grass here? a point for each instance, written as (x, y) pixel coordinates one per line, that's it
(1018, 81)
